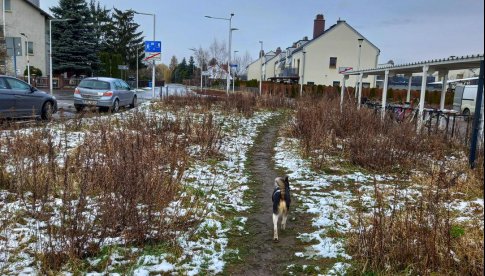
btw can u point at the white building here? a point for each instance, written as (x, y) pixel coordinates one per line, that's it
(317, 61)
(24, 16)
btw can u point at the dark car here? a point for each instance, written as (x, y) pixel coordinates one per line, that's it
(20, 100)
(105, 93)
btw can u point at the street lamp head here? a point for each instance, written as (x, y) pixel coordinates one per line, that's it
(208, 16)
(193, 49)
(232, 14)
(234, 29)
(360, 41)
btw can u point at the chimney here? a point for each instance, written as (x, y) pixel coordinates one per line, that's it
(261, 54)
(318, 25)
(278, 51)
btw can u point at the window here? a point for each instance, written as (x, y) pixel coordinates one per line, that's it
(17, 84)
(94, 84)
(29, 48)
(336, 83)
(3, 84)
(8, 6)
(333, 62)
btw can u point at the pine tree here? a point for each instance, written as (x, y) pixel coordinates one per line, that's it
(73, 42)
(191, 67)
(124, 38)
(101, 21)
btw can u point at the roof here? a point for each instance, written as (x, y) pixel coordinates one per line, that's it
(44, 13)
(340, 22)
(444, 64)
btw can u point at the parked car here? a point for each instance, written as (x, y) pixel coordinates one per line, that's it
(20, 100)
(105, 93)
(464, 99)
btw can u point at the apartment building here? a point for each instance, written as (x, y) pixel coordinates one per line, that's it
(24, 36)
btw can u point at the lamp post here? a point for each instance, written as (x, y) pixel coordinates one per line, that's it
(153, 68)
(261, 69)
(234, 74)
(229, 51)
(27, 54)
(360, 40)
(302, 75)
(50, 49)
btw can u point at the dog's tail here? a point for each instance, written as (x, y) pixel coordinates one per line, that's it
(281, 184)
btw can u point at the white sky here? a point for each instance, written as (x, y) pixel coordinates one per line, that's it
(404, 31)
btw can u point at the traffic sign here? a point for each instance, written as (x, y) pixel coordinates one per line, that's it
(151, 56)
(123, 67)
(342, 70)
(153, 46)
(233, 65)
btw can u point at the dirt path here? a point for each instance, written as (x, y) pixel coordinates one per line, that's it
(260, 255)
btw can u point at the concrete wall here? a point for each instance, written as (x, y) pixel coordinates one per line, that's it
(23, 18)
(341, 42)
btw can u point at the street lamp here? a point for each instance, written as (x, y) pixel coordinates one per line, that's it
(27, 54)
(153, 68)
(234, 74)
(229, 51)
(50, 49)
(360, 40)
(261, 69)
(201, 64)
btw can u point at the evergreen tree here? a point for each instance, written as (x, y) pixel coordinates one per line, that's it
(73, 42)
(191, 67)
(173, 64)
(101, 21)
(124, 38)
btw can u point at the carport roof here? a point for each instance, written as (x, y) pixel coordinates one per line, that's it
(451, 63)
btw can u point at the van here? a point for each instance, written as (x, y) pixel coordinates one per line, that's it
(464, 100)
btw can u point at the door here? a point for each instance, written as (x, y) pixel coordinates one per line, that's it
(7, 100)
(121, 91)
(128, 94)
(25, 101)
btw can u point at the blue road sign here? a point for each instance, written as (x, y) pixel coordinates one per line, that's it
(233, 65)
(153, 46)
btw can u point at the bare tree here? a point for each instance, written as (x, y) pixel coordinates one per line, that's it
(218, 51)
(242, 62)
(202, 57)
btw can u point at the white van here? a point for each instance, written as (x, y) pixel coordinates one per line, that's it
(464, 100)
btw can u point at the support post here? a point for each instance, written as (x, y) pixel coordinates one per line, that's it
(384, 94)
(444, 87)
(343, 93)
(422, 97)
(359, 99)
(477, 118)
(408, 95)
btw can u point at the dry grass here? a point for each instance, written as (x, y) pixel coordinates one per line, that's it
(420, 235)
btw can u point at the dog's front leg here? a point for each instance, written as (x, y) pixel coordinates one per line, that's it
(275, 225)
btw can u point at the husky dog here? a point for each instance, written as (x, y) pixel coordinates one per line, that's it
(281, 203)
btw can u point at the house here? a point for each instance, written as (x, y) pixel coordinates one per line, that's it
(216, 72)
(27, 18)
(317, 61)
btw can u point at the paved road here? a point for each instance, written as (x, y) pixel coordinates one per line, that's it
(66, 106)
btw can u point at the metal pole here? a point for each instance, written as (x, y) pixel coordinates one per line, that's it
(233, 74)
(360, 90)
(153, 69)
(14, 57)
(137, 56)
(229, 59)
(261, 69)
(408, 95)
(384, 94)
(422, 97)
(342, 93)
(476, 118)
(444, 87)
(50, 58)
(28, 59)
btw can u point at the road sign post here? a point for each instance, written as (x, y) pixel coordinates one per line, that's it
(153, 52)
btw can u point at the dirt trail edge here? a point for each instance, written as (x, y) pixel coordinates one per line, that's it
(259, 254)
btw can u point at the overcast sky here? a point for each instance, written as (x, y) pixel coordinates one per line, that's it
(404, 31)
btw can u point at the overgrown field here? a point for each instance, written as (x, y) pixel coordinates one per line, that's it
(161, 189)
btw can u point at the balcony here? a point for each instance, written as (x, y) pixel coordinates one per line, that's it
(289, 72)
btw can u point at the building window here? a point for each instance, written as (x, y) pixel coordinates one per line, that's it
(336, 83)
(29, 48)
(8, 6)
(333, 62)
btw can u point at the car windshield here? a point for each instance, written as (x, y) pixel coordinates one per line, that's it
(94, 84)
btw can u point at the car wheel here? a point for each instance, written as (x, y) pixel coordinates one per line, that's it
(134, 102)
(116, 106)
(79, 107)
(47, 111)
